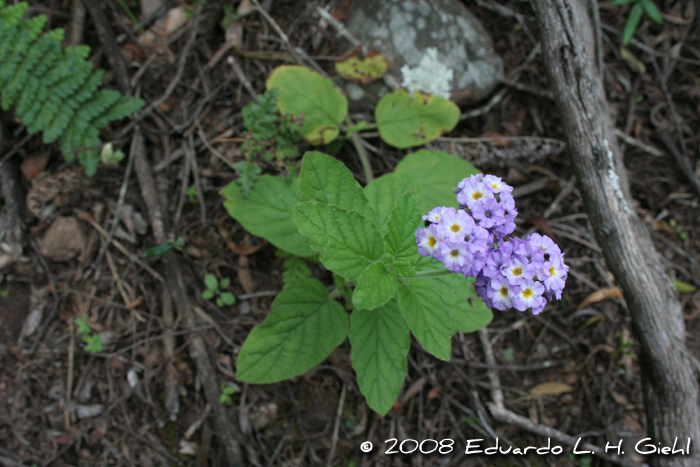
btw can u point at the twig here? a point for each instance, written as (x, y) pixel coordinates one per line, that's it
(506, 416)
(496, 392)
(84, 216)
(364, 157)
(109, 42)
(651, 150)
(682, 162)
(120, 202)
(336, 428)
(241, 76)
(77, 25)
(176, 285)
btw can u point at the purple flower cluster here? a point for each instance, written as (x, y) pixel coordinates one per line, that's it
(472, 241)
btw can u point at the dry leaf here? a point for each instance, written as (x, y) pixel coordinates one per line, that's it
(599, 295)
(550, 389)
(33, 165)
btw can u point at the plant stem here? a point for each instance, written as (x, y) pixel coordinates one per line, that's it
(362, 152)
(434, 273)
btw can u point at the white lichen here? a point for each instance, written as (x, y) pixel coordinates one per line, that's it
(431, 76)
(614, 179)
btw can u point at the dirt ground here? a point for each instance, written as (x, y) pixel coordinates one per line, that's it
(63, 406)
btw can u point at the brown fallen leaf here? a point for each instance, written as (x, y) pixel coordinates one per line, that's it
(599, 295)
(550, 389)
(33, 165)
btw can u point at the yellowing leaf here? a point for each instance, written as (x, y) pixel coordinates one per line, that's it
(684, 287)
(599, 295)
(550, 389)
(312, 99)
(363, 71)
(404, 121)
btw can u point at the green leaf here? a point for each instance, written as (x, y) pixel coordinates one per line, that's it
(325, 179)
(208, 294)
(683, 287)
(467, 311)
(211, 281)
(375, 287)
(380, 343)
(400, 238)
(228, 298)
(632, 23)
(383, 192)
(621, 2)
(93, 343)
(267, 212)
(357, 127)
(303, 328)
(434, 175)
(652, 11)
(347, 241)
(402, 268)
(225, 283)
(310, 97)
(404, 121)
(427, 316)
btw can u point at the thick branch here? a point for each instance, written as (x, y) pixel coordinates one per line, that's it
(670, 386)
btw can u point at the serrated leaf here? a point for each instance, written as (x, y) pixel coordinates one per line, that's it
(652, 11)
(427, 316)
(404, 122)
(400, 238)
(309, 96)
(375, 287)
(467, 311)
(382, 192)
(303, 328)
(434, 175)
(211, 281)
(325, 179)
(380, 342)
(348, 242)
(267, 212)
(402, 268)
(632, 22)
(363, 71)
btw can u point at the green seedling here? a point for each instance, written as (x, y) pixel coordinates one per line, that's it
(93, 342)
(227, 390)
(214, 290)
(638, 8)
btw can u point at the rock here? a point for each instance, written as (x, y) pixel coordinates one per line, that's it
(403, 30)
(63, 240)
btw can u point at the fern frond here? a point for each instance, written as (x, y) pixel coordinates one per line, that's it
(55, 90)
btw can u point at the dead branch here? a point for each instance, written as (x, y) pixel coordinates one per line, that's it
(668, 376)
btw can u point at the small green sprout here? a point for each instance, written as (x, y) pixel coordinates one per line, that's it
(682, 234)
(227, 390)
(214, 290)
(638, 8)
(192, 194)
(5, 293)
(93, 342)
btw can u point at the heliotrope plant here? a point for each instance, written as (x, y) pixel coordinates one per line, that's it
(471, 241)
(367, 238)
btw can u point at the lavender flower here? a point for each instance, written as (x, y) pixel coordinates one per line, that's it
(517, 273)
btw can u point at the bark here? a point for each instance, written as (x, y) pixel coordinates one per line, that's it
(668, 373)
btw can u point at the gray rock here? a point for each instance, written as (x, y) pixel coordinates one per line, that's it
(402, 30)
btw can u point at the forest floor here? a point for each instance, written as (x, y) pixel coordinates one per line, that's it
(574, 367)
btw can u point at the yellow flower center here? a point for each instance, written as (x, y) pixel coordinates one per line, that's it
(454, 253)
(504, 291)
(551, 271)
(495, 185)
(517, 271)
(477, 194)
(455, 228)
(527, 293)
(432, 241)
